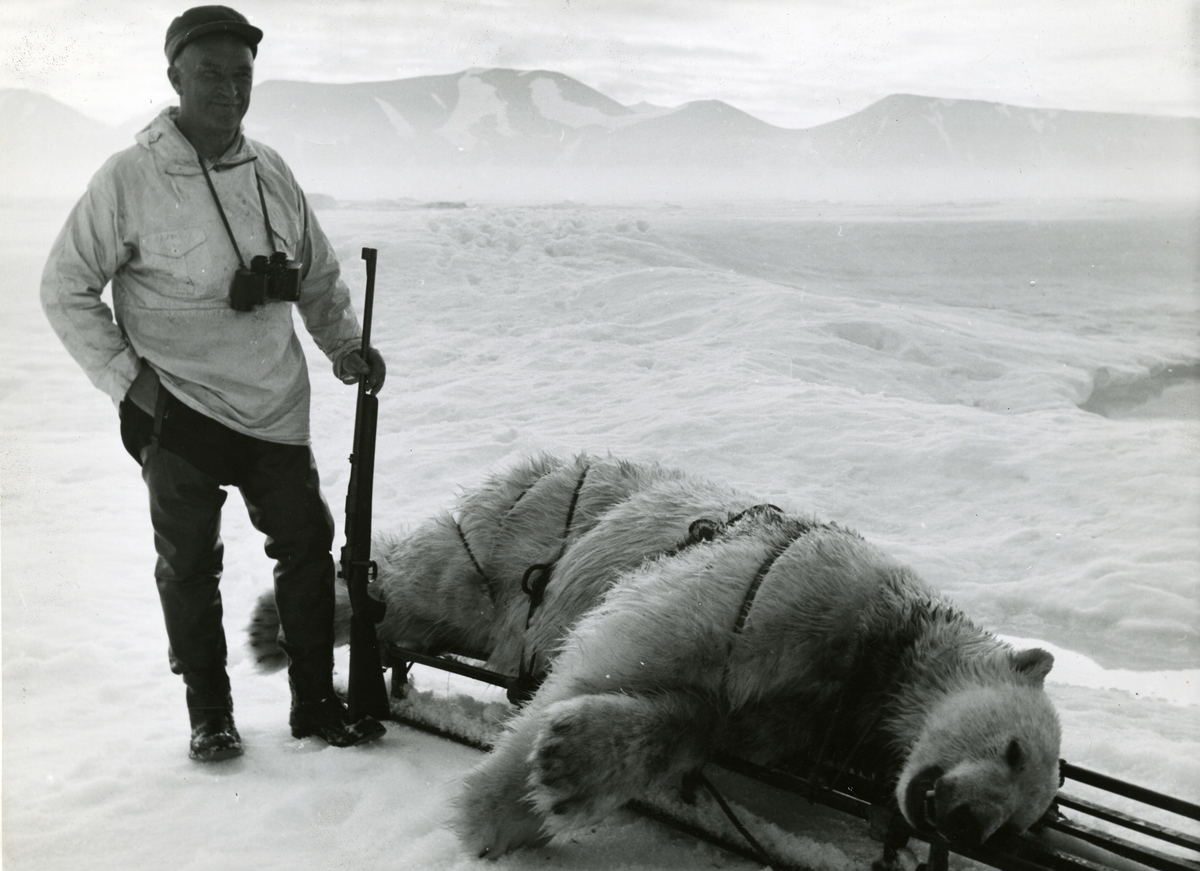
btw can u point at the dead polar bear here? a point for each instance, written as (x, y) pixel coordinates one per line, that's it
(683, 618)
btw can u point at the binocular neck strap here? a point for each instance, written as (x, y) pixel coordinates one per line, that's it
(266, 218)
(224, 220)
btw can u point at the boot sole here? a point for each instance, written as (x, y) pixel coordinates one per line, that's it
(218, 755)
(313, 733)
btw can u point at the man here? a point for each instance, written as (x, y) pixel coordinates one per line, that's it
(210, 396)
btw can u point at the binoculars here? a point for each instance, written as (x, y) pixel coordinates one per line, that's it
(273, 277)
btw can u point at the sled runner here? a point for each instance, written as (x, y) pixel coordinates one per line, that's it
(1076, 833)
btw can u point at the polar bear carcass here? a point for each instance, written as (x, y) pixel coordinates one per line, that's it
(680, 618)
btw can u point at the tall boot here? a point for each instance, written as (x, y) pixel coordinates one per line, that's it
(210, 710)
(282, 491)
(307, 639)
(318, 712)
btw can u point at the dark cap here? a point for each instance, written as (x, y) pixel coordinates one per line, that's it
(202, 20)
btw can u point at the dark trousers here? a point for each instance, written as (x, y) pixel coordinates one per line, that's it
(187, 459)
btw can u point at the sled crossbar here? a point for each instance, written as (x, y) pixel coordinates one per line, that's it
(1130, 790)
(1057, 843)
(452, 665)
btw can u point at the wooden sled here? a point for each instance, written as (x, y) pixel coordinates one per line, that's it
(1076, 833)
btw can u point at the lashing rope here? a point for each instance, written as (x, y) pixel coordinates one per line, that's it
(798, 530)
(487, 582)
(533, 584)
(697, 777)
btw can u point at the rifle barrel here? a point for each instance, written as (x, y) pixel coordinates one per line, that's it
(368, 254)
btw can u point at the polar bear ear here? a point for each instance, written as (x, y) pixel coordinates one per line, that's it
(1034, 664)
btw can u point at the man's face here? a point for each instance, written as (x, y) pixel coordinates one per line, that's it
(212, 77)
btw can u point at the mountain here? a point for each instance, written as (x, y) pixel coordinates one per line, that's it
(516, 133)
(1011, 150)
(48, 149)
(502, 133)
(541, 134)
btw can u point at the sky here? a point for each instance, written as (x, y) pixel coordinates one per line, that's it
(792, 63)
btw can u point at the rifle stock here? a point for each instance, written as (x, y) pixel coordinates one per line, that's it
(367, 692)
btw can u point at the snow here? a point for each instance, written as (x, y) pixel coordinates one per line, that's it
(915, 375)
(550, 103)
(477, 107)
(403, 129)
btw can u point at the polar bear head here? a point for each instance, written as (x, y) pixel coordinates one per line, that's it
(986, 758)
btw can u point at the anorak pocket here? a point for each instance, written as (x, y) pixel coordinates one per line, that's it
(180, 263)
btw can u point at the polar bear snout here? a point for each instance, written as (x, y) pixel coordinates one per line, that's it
(969, 803)
(937, 802)
(961, 827)
(962, 815)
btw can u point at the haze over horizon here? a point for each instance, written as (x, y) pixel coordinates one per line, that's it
(790, 66)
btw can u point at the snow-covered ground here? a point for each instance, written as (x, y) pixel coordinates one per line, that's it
(915, 374)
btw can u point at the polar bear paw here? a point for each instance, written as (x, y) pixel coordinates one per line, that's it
(493, 816)
(489, 831)
(583, 765)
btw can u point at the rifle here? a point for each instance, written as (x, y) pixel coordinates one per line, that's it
(368, 695)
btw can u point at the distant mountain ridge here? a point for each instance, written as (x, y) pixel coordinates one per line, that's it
(539, 134)
(48, 149)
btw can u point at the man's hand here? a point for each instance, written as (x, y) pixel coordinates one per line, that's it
(354, 368)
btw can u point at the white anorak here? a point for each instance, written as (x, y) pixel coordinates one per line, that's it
(148, 224)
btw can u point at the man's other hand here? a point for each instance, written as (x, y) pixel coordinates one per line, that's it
(354, 368)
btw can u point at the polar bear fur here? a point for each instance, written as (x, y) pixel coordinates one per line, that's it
(455, 584)
(682, 617)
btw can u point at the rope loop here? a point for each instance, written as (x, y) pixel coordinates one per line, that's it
(537, 589)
